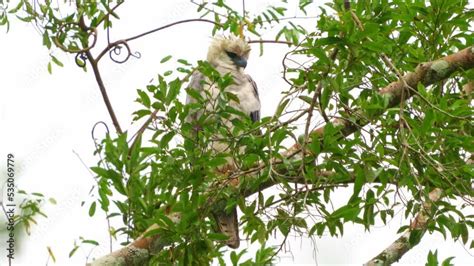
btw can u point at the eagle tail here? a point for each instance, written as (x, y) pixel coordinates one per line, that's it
(229, 226)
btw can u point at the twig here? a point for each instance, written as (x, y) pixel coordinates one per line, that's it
(113, 44)
(110, 11)
(202, 6)
(173, 24)
(103, 91)
(270, 41)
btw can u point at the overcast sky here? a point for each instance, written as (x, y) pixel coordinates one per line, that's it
(46, 122)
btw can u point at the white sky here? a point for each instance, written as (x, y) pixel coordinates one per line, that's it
(46, 118)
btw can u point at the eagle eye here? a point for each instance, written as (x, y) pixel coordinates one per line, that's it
(231, 55)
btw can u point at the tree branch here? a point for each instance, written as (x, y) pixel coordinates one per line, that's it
(138, 252)
(103, 91)
(270, 41)
(113, 44)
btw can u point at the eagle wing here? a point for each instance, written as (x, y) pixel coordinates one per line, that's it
(196, 83)
(254, 115)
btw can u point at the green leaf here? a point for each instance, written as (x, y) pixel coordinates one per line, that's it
(415, 237)
(184, 62)
(51, 254)
(17, 7)
(269, 201)
(321, 55)
(377, 47)
(217, 236)
(194, 93)
(264, 256)
(99, 171)
(89, 241)
(464, 233)
(26, 19)
(173, 91)
(306, 99)
(217, 161)
(432, 259)
(56, 61)
(46, 40)
(369, 218)
(349, 213)
(359, 181)
(92, 209)
(71, 253)
(141, 113)
(144, 98)
(165, 59)
(281, 107)
(234, 257)
(447, 262)
(326, 95)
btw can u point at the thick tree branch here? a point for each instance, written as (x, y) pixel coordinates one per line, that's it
(138, 252)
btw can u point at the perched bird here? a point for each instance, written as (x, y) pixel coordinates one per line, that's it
(228, 56)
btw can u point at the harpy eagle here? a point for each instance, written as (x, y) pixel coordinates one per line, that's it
(228, 56)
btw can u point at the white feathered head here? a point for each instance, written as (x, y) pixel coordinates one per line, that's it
(228, 52)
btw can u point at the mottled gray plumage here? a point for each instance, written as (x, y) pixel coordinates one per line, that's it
(228, 55)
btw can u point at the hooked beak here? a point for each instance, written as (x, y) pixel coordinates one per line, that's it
(240, 62)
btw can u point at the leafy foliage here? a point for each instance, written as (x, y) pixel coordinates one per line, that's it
(397, 156)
